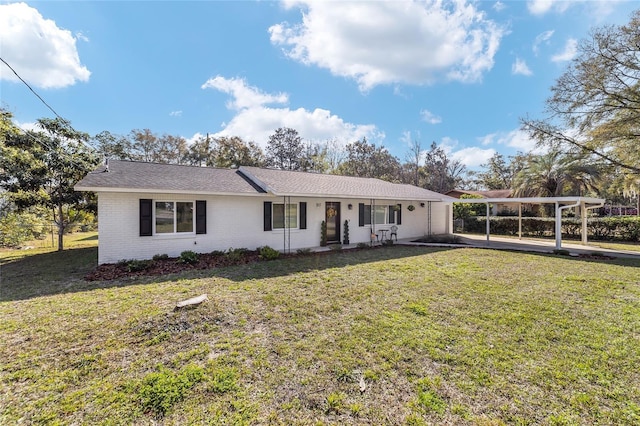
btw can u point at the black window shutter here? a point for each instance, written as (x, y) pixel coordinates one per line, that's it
(146, 217)
(361, 214)
(267, 215)
(201, 217)
(303, 215)
(392, 212)
(399, 216)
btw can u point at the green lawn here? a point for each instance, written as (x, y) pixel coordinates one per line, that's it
(397, 335)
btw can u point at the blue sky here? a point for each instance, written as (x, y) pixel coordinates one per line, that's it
(458, 73)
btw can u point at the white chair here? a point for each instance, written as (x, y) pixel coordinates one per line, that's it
(394, 231)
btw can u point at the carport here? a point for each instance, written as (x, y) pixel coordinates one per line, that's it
(561, 203)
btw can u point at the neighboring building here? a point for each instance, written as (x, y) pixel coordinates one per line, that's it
(146, 209)
(496, 209)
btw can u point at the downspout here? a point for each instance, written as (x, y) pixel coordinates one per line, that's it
(584, 220)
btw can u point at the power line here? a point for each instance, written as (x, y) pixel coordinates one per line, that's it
(34, 92)
(66, 122)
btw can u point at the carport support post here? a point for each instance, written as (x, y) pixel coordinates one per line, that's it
(558, 227)
(488, 223)
(519, 221)
(583, 216)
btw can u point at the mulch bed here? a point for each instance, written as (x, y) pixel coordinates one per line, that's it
(112, 271)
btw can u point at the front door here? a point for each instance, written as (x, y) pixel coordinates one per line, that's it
(332, 217)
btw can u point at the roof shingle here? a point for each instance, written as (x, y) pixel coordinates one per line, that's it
(139, 177)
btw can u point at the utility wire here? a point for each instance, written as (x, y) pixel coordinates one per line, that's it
(34, 92)
(66, 122)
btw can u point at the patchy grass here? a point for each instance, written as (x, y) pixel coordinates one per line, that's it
(436, 336)
(41, 271)
(616, 246)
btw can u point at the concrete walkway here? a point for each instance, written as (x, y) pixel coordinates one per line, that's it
(540, 246)
(502, 243)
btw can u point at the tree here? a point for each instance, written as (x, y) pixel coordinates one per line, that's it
(442, 173)
(412, 164)
(144, 145)
(285, 150)
(556, 174)
(368, 160)
(499, 173)
(595, 105)
(233, 152)
(201, 152)
(112, 146)
(316, 158)
(41, 168)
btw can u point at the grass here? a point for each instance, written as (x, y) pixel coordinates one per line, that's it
(616, 246)
(462, 336)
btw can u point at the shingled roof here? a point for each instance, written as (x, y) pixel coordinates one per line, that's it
(294, 183)
(135, 176)
(132, 176)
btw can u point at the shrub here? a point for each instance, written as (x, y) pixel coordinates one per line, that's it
(362, 245)
(134, 265)
(268, 253)
(236, 255)
(323, 233)
(163, 256)
(387, 242)
(188, 257)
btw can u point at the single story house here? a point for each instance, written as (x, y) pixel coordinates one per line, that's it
(146, 209)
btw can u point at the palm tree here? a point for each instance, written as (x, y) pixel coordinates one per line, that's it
(556, 174)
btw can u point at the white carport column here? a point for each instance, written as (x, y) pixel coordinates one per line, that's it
(488, 222)
(558, 226)
(583, 216)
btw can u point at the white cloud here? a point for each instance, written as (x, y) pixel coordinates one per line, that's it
(256, 121)
(569, 52)
(40, 52)
(473, 156)
(518, 140)
(175, 114)
(499, 6)
(392, 42)
(26, 126)
(520, 67)
(542, 38)
(430, 117)
(243, 95)
(470, 156)
(541, 7)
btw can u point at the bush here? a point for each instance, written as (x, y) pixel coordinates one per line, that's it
(601, 228)
(160, 256)
(134, 265)
(362, 245)
(188, 257)
(17, 228)
(236, 255)
(267, 253)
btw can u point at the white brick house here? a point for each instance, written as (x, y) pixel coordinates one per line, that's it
(146, 209)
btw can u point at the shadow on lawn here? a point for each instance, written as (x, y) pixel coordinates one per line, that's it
(64, 272)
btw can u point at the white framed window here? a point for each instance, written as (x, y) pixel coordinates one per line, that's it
(382, 215)
(282, 216)
(174, 217)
